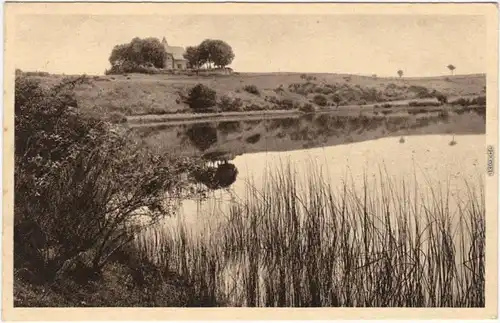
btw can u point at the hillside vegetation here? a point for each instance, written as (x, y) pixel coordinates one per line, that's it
(139, 94)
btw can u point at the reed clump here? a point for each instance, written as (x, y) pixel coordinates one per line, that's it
(305, 243)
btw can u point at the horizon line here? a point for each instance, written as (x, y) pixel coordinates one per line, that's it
(282, 72)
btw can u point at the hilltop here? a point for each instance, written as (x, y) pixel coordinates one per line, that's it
(141, 94)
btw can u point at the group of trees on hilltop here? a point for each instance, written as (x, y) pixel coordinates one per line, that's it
(150, 53)
(212, 52)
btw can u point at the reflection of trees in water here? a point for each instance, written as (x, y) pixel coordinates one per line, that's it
(309, 117)
(202, 135)
(253, 139)
(249, 124)
(285, 123)
(331, 125)
(229, 126)
(220, 176)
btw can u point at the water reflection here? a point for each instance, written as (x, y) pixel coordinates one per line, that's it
(218, 175)
(227, 127)
(202, 135)
(306, 131)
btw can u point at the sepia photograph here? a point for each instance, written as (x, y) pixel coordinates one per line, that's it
(251, 156)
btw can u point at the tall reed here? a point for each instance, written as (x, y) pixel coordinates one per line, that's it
(300, 242)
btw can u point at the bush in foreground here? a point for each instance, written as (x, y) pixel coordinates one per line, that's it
(83, 188)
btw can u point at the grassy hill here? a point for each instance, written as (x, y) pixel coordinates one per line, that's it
(139, 94)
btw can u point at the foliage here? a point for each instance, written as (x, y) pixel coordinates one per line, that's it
(320, 100)
(194, 57)
(251, 89)
(422, 92)
(308, 77)
(400, 73)
(201, 97)
(83, 188)
(307, 108)
(132, 280)
(441, 97)
(147, 52)
(230, 105)
(337, 99)
(216, 52)
(451, 68)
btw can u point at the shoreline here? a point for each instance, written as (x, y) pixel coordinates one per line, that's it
(152, 120)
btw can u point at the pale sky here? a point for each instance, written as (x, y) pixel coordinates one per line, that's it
(359, 44)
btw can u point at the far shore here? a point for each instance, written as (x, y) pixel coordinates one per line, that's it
(182, 118)
(151, 120)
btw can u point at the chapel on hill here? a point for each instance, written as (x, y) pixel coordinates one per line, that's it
(175, 59)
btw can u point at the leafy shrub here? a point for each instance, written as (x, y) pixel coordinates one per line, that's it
(304, 88)
(201, 98)
(320, 100)
(441, 98)
(251, 89)
(286, 104)
(307, 77)
(228, 104)
(254, 107)
(81, 186)
(371, 95)
(461, 101)
(307, 108)
(421, 92)
(337, 99)
(279, 89)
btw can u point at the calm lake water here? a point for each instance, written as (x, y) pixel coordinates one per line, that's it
(429, 160)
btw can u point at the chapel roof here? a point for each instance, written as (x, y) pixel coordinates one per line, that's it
(176, 51)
